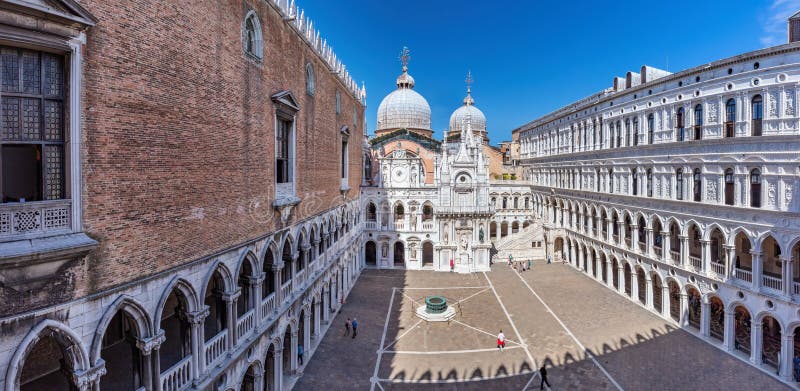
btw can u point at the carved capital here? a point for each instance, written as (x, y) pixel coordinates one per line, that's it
(147, 345)
(84, 379)
(231, 296)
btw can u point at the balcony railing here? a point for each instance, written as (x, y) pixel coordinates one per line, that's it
(22, 220)
(268, 305)
(696, 262)
(744, 275)
(658, 251)
(427, 225)
(718, 267)
(299, 278)
(215, 348)
(796, 286)
(178, 377)
(400, 225)
(628, 242)
(371, 224)
(286, 290)
(245, 323)
(772, 282)
(676, 256)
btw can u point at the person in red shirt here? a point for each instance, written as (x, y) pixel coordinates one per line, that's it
(452, 265)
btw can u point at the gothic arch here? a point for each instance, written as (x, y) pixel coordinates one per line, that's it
(185, 288)
(144, 325)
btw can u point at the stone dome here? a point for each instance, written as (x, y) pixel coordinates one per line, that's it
(404, 108)
(459, 117)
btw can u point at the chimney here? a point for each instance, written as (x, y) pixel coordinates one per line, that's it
(794, 27)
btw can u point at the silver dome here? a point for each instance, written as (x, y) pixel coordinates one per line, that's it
(459, 117)
(404, 108)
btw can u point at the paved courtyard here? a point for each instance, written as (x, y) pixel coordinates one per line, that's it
(551, 315)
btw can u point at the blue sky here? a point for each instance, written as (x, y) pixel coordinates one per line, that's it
(531, 57)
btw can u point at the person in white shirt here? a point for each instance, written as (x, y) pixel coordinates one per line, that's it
(501, 340)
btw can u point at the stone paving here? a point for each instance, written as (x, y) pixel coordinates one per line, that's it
(637, 349)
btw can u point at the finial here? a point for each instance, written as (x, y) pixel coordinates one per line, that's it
(405, 55)
(469, 81)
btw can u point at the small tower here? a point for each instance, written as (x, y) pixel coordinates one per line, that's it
(794, 27)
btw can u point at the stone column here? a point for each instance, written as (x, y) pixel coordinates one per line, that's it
(666, 246)
(649, 242)
(278, 375)
(278, 280)
(706, 255)
(293, 354)
(635, 238)
(294, 284)
(621, 236)
(634, 285)
(684, 249)
(705, 318)
(325, 313)
(621, 277)
(149, 348)
(728, 339)
(306, 335)
(757, 268)
(609, 277)
(730, 261)
(649, 286)
(665, 308)
(257, 283)
(755, 342)
(609, 230)
(196, 320)
(786, 268)
(684, 318)
(230, 313)
(786, 355)
(258, 378)
(317, 310)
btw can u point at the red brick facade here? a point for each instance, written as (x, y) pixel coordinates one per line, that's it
(179, 134)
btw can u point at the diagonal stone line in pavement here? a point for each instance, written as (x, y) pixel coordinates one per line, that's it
(402, 335)
(486, 332)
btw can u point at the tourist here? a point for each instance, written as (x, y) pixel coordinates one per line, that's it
(347, 327)
(543, 374)
(355, 327)
(529, 264)
(300, 354)
(549, 259)
(501, 340)
(796, 363)
(452, 265)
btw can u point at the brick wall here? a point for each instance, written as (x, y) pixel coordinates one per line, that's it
(178, 134)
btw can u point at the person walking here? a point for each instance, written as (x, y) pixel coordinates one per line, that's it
(549, 259)
(501, 340)
(452, 265)
(529, 264)
(355, 327)
(300, 354)
(543, 374)
(347, 327)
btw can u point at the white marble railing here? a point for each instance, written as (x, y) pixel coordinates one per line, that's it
(718, 267)
(178, 377)
(744, 275)
(796, 286)
(299, 278)
(400, 225)
(628, 242)
(29, 219)
(215, 348)
(658, 251)
(676, 256)
(268, 305)
(371, 225)
(286, 291)
(772, 282)
(427, 225)
(245, 323)
(696, 262)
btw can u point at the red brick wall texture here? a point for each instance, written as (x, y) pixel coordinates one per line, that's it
(178, 134)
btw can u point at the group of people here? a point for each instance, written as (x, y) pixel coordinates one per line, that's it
(501, 344)
(348, 324)
(519, 266)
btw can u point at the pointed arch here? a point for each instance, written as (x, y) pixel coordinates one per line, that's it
(134, 309)
(185, 288)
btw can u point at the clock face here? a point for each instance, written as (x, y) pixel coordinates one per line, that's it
(399, 174)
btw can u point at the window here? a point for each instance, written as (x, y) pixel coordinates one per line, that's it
(696, 184)
(698, 122)
(634, 182)
(427, 213)
(282, 151)
(610, 180)
(679, 184)
(729, 186)
(649, 182)
(730, 117)
(628, 132)
(344, 159)
(505, 202)
(757, 106)
(619, 134)
(252, 35)
(338, 102)
(371, 213)
(681, 126)
(651, 128)
(367, 168)
(755, 188)
(635, 131)
(526, 203)
(310, 79)
(32, 135)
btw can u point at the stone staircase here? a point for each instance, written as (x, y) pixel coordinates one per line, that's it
(518, 245)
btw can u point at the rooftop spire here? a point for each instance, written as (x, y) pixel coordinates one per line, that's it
(468, 99)
(405, 55)
(405, 80)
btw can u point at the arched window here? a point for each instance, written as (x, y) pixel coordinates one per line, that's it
(610, 180)
(427, 212)
(372, 215)
(696, 183)
(635, 131)
(619, 134)
(251, 35)
(757, 106)
(651, 128)
(597, 179)
(338, 102)
(729, 186)
(681, 126)
(649, 182)
(755, 188)
(698, 122)
(310, 79)
(634, 182)
(505, 202)
(730, 117)
(679, 184)
(367, 168)
(628, 132)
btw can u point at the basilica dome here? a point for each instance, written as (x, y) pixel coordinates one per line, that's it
(468, 110)
(404, 108)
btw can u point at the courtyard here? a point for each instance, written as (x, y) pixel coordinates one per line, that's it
(589, 338)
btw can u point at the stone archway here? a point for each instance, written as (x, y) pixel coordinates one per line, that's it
(694, 305)
(716, 318)
(399, 254)
(427, 254)
(370, 253)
